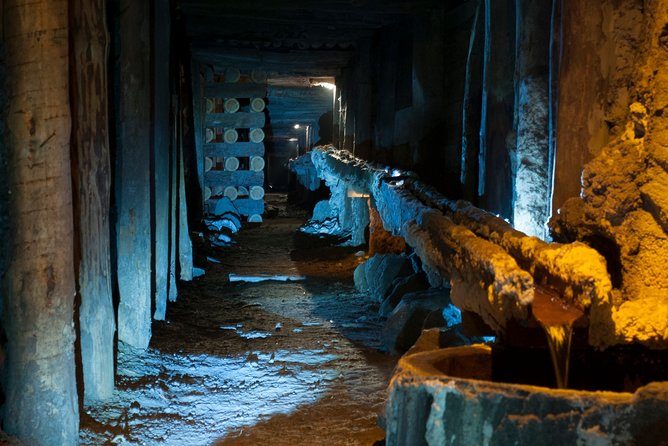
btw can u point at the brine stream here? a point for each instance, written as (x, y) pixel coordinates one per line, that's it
(556, 318)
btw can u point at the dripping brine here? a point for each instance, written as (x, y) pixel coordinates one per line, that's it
(557, 319)
(559, 343)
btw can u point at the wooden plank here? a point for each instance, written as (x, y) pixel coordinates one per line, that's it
(237, 178)
(245, 206)
(237, 149)
(223, 90)
(239, 120)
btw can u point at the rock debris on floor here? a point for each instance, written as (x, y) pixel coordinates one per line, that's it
(289, 362)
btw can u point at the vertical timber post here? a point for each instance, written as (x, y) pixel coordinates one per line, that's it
(133, 173)
(92, 181)
(185, 252)
(471, 108)
(161, 153)
(4, 197)
(173, 196)
(185, 245)
(197, 118)
(41, 405)
(497, 137)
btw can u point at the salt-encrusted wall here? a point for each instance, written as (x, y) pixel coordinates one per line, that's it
(622, 209)
(604, 50)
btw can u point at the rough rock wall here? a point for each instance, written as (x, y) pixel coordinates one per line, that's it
(604, 46)
(623, 206)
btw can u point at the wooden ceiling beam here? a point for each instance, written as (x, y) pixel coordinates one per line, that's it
(304, 63)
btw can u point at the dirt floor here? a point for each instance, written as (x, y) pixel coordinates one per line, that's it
(292, 362)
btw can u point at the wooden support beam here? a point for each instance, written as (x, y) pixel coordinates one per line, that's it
(197, 80)
(224, 90)
(314, 63)
(91, 159)
(238, 120)
(133, 178)
(237, 178)
(38, 283)
(173, 200)
(185, 244)
(161, 142)
(222, 149)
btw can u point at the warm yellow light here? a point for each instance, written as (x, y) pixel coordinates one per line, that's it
(352, 193)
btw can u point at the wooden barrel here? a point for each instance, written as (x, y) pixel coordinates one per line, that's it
(232, 75)
(257, 105)
(231, 193)
(231, 105)
(231, 163)
(210, 135)
(209, 105)
(256, 163)
(230, 136)
(259, 76)
(208, 164)
(243, 191)
(256, 135)
(256, 192)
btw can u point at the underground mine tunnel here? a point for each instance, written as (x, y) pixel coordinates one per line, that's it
(342, 222)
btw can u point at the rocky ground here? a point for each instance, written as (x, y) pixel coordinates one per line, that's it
(292, 362)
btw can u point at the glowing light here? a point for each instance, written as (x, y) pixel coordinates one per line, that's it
(352, 193)
(327, 85)
(293, 140)
(297, 126)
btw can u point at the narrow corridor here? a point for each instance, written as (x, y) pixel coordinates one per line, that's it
(250, 363)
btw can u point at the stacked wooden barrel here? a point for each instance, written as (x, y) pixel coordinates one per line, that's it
(233, 127)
